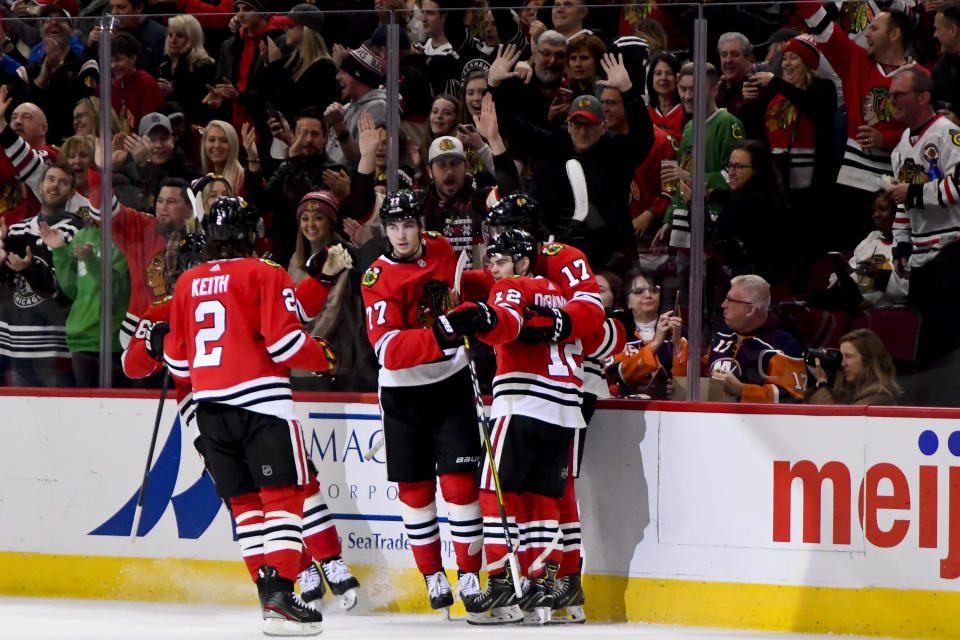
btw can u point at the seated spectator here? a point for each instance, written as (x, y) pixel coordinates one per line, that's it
(542, 101)
(187, 69)
(443, 116)
(474, 88)
(754, 213)
(135, 92)
(86, 118)
(867, 375)
(187, 136)
(666, 111)
(149, 34)
(308, 77)
(871, 268)
(736, 62)
(583, 64)
(220, 153)
(567, 17)
(656, 349)
(78, 152)
(610, 286)
(209, 188)
(754, 360)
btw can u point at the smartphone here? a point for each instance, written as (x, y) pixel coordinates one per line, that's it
(466, 128)
(273, 113)
(676, 305)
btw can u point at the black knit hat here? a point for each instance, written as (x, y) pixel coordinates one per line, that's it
(307, 15)
(260, 6)
(364, 65)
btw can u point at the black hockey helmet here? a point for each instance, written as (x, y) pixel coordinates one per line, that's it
(231, 218)
(514, 243)
(513, 211)
(404, 204)
(190, 251)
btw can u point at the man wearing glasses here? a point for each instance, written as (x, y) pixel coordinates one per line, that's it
(755, 361)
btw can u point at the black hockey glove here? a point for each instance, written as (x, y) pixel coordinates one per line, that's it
(446, 335)
(543, 324)
(153, 340)
(471, 318)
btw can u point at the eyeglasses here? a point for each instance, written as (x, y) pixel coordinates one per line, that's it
(738, 167)
(639, 291)
(729, 299)
(899, 94)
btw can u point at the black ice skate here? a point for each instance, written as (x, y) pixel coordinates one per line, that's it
(438, 590)
(568, 600)
(312, 588)
(342, 583)
(537, 599)
(284, 613)
(496, 605)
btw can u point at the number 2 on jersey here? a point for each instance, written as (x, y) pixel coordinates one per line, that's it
(206, 335)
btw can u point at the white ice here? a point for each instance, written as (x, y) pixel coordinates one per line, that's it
(47, 618)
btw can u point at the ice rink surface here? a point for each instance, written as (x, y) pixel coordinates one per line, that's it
(47, 618)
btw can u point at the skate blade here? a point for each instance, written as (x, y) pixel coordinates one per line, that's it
(348, 599)
(537, 616)
(568, 615)
(510, 614)
(284, 627)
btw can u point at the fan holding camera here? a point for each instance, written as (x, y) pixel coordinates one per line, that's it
(861, 371)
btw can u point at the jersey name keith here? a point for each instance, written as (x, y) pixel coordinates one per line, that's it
(210, 286)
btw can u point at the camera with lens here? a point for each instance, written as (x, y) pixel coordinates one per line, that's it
(830, 359)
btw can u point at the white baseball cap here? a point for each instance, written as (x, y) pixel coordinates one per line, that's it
(445, 146)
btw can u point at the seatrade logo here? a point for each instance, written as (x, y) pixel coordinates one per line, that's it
(910, 501)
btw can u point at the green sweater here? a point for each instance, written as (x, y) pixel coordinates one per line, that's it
(79, 280)
(724, 130)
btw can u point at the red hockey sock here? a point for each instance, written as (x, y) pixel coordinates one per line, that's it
(570, 531)
(494, 541)
(543, 543)
(463, 510)
(419, 511)
(248, 515)
(282, 542)
(319, 531)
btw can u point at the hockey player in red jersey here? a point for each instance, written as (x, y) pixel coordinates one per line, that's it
(235, 332)
(536, 411)
(429, 423)
(144, 357)
(567, 267)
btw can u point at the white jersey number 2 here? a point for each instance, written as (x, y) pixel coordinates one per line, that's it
(206, 335)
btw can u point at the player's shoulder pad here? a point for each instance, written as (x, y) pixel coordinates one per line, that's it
(552, 249)
(162, 300)
(270, 263)
(371, 276)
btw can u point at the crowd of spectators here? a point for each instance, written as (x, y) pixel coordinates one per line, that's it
(832, 147)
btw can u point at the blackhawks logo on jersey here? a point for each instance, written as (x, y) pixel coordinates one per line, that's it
(860, 14)
(433, 234)
(780, 115)
(435, 300)
(370, 277)
(736, 130)
(955, 137)
(877, 106)
(911, 173)
(552, 249)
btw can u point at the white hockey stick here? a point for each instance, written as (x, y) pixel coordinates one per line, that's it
(485, 435)
(578, 183)
(374, 449)
(537, 564)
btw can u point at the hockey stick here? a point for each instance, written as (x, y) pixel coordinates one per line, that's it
(153, 443)
(578, 184)
(374, 449)
(485, 435)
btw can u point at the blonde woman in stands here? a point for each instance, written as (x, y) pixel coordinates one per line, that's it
(220, 152)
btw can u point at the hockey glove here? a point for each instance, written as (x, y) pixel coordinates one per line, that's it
(471, 318)
(543, 324)
(153, 340)
(328, 263)
(328, 354)
(446, 335)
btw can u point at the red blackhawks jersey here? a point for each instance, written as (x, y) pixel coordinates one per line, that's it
(543, 380)
(567, 267)
(403, 300)
(866, 92)
(235, 333)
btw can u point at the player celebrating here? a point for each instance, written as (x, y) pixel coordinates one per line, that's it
(235, 331)
(429, 423)
(143, 357)
(536, 410)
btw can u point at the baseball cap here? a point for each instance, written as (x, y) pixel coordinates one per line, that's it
(587, 106)
(445, 146)
(153, 120)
